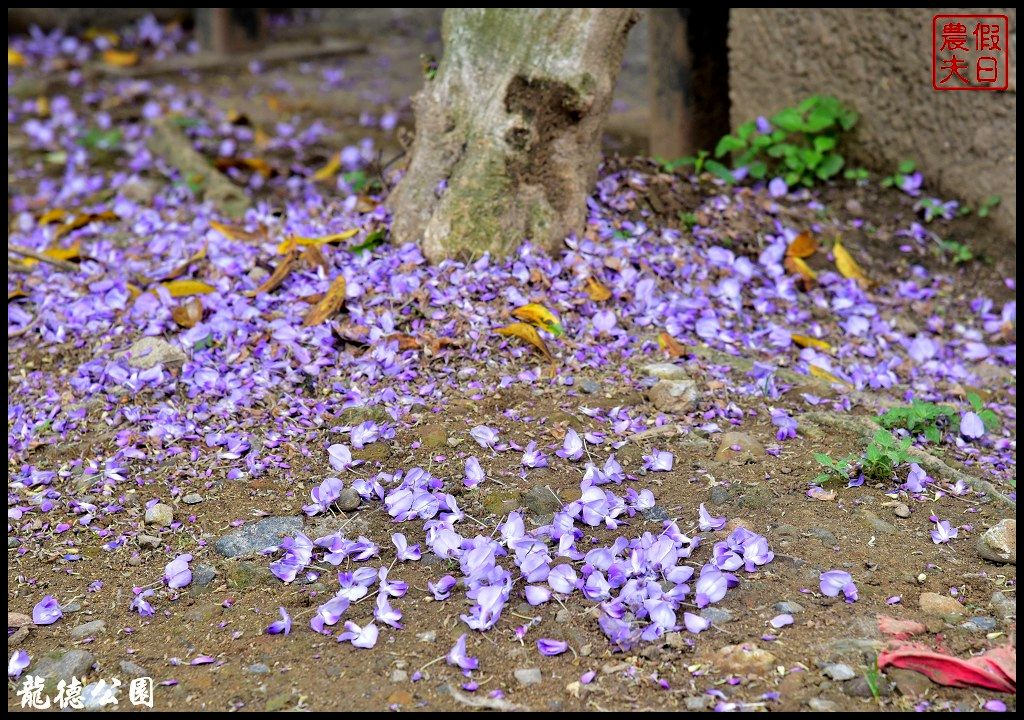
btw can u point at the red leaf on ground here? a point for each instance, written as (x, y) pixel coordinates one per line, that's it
(995, 670)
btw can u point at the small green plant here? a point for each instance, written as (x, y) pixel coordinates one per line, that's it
(872, 677)
(857, 175)
(988, 417)
(986, 205)
(836, 471)
(696, 161)
(688, 219)
(957, 252)
(883, 455)
(105, 140)
(921, 418)
(905, 168)
(800, 145)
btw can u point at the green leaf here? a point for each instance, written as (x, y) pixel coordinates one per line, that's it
(719, 170)
(832, 164)
(744, 131)
(789, 119)
(906, 167)
(975, 400)
(374, 239)
(728, 144)
(757, 170)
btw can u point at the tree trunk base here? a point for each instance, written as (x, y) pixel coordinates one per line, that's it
(508, 132)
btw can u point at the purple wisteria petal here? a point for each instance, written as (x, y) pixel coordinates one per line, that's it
(17, 664)
(458, 656)
(550, 647)
(284, 625)
(47, 611)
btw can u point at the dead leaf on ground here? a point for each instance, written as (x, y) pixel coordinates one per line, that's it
(294, 241)
(276, 278)
(120, 58)
(670, 345)
(540, 316)
(329, 305)
(804, 245)
(186, 288)
(529, 333)
(847, 266)
(596, 291)
(189, 313)
(807, 341)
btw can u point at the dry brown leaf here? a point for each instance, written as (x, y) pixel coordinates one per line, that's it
(120, 58)
(803, 245)
(236, 233)
(189, 313)
(529, 333)
(670, 345)
(329, 170)
(597, 291)
(177, 272)
(277, 277)
(314, 258)
(329, 305)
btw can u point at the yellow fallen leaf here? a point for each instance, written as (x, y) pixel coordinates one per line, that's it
(596, 291)
(95, 33)
(807, 341)
(847, 266)
(133, 290)
(259, 165)
(16, 294)
(797, 266)
(80, 221)
(823, 374)
(234, 232)
(526, 332)
(185, 288)
(540, 316)
(120, 58)
(15, 58)
(57, 253)
(329, 305)
(803, 245)
(52, 216)
(330, 169)
(296, 240)
(43, 106)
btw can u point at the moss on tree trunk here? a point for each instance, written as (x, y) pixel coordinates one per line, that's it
(508, 132)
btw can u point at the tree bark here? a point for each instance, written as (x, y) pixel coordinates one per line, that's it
(508, 131)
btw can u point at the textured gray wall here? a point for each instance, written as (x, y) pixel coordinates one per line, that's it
(879, 62)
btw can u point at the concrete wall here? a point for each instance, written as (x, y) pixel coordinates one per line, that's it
(879, 61)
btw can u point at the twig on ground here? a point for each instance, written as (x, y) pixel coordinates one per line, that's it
(484, 702)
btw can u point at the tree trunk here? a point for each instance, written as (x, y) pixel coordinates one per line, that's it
(508, 132)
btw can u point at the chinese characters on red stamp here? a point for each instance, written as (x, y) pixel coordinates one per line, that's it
(970, 52)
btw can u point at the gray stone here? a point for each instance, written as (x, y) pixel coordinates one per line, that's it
(656, 513)
(909, 682)
(149, 352)
(528, 676)
(901, 510)
(826, 536)
(875, 523)
(719, 495)
(745, 659)
(428, 636)
(133, 670)
(1004, 608)
(348, 500)
(160, 515)
(590, 387)
(789, 607)
(399, 676)
(89, 629)
(147, 541)
(203, 575)
(73, 663)
(251, 538)
(999, 543)
(258, 669)
(822, 705)
(717, 616)
(839, 672)
(13, 542)
(980, 623)
(859, 687)
(192, 499)
(540, 500)
(674, 396)
(750, 450)
(665, 371)
(699, 702)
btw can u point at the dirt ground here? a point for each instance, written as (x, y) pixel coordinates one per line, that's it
(55, 423)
